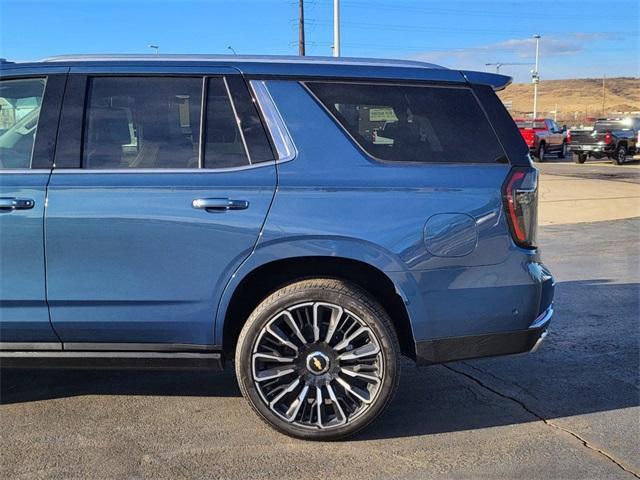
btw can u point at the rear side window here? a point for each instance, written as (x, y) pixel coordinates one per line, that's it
(412, 123)
(224, 146)
(155, 122)
(538, 125)
(20, 102)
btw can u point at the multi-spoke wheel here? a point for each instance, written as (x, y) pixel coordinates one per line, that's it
(318, 359)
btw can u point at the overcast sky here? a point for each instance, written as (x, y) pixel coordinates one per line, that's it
(580, 38)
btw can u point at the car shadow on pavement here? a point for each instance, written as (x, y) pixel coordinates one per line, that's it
(27, 385)
(589, 363)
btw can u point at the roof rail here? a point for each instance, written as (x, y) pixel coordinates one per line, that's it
(241, 58)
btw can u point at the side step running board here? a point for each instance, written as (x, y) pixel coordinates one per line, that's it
(117, 359)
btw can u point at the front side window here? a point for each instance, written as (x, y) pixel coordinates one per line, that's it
(412, 123)
(142, 122)
(20, 102)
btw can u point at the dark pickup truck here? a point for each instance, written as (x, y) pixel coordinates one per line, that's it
(612, 138)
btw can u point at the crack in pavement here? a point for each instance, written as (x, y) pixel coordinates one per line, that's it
(584, 442)
(528, 392)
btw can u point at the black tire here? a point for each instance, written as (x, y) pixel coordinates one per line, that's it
(620, 155)
(256, 382)
(579, 157)
(563, 150)
(539, 155)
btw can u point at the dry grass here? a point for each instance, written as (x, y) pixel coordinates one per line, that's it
(575, 96)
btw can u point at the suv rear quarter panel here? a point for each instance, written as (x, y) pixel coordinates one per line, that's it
(334, 200)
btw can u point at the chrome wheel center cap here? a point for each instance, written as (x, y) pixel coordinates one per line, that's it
(317, 363)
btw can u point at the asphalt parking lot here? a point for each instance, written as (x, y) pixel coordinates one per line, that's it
(570, 410)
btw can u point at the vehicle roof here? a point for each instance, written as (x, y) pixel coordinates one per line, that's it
(272, 65)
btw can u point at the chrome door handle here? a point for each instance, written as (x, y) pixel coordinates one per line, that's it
(16, 203)
(219, 204)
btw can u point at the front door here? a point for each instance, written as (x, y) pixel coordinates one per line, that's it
(173, 181)
(29, 110)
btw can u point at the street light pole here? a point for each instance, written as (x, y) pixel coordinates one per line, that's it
(336, 28)
(535, 78)
(155, 47)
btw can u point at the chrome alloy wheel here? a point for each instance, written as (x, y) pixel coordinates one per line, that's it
(317, 365)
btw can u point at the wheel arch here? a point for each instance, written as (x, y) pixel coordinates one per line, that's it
(263, 279)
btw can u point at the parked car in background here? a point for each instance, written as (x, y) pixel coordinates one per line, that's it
(543, 136)
(615, 138)
(207, 208)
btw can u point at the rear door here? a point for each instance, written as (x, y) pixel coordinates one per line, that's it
(162, 183)
(29, 109)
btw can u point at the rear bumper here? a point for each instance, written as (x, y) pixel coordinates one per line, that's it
(592, 149)
(443, 350)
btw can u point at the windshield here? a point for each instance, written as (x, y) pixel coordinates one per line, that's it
(611, 125)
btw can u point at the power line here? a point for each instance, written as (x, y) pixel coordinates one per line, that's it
(457, 30)
(422, 48)
(450, 11)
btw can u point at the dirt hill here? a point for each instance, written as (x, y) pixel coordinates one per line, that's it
(574, 97)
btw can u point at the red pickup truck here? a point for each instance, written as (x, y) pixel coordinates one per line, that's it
(543, 136)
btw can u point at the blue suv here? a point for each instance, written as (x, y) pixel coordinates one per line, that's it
(311, 218)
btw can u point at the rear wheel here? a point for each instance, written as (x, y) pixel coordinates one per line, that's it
(318, 359)
(620, 156)
(579, 157)
(541, 153)
(563, 150)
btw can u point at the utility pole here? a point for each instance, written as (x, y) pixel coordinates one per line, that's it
(301, 30)
(336, 28)
(535, 78)
(604, 77)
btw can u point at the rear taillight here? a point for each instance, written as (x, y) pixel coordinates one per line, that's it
(569, 136)
(520, 196)
(608, 138)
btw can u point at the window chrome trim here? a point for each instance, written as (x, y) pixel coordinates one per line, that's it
(275, 125)
(165, 171)
(24, 171)
(203, 120)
